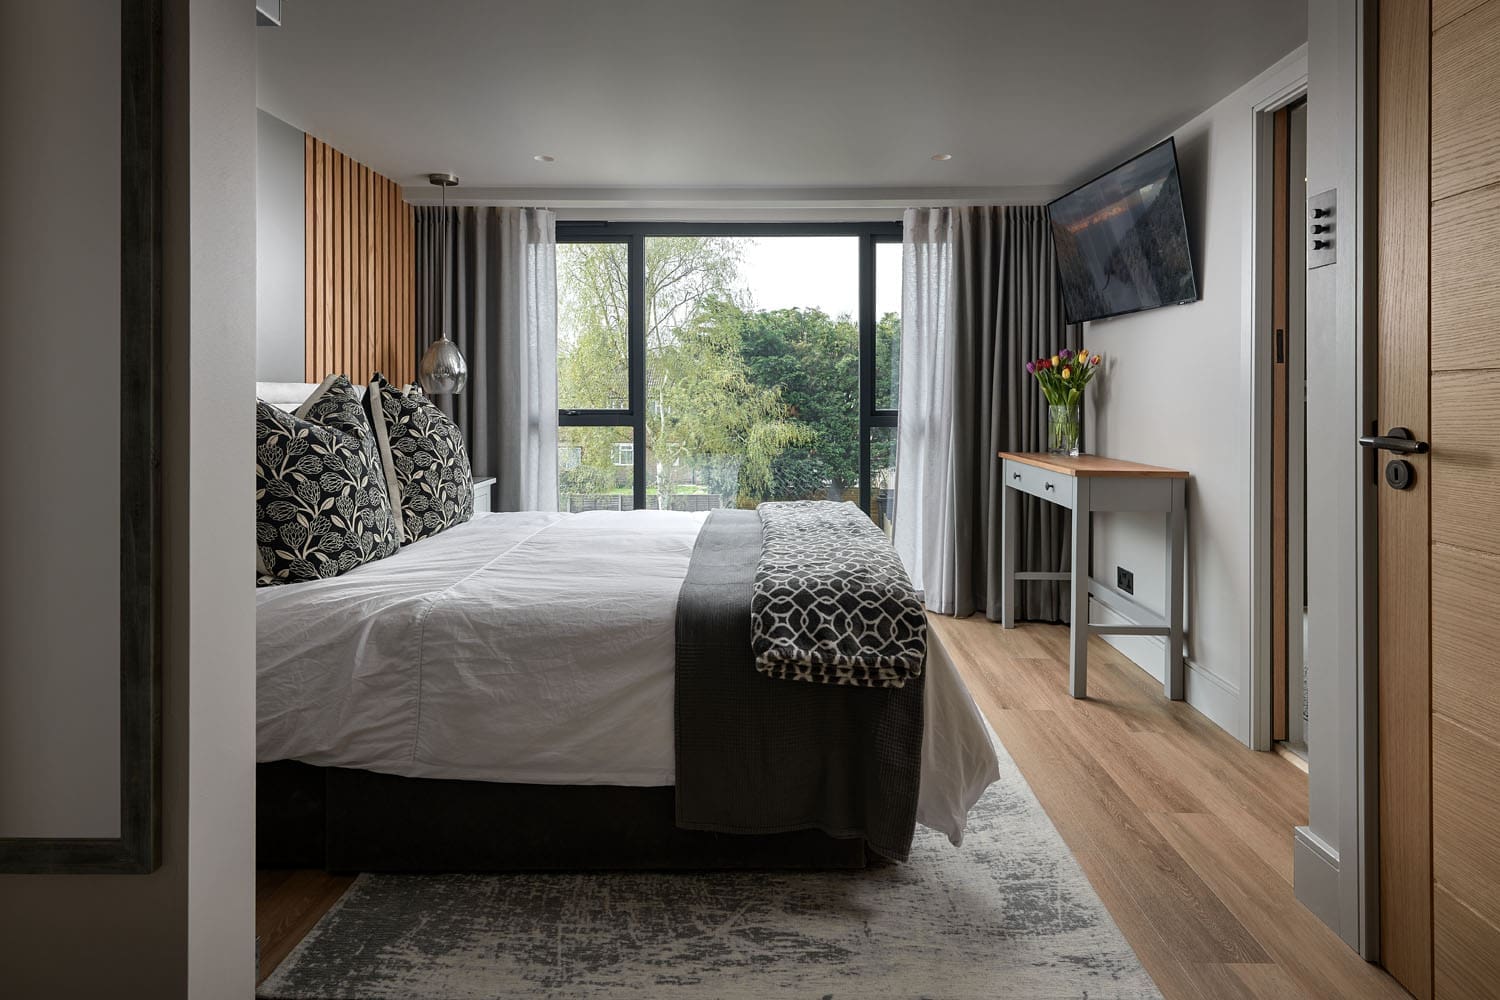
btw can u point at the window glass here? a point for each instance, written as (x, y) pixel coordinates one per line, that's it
(590, 472)
(593, 323)
(887, 325)
(752, 368)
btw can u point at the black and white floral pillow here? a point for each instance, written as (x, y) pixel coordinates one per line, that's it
(322, 506)
(426, 464)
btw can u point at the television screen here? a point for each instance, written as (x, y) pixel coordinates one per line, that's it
(1122, 243)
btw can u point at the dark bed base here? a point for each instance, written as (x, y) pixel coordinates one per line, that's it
(346, 820)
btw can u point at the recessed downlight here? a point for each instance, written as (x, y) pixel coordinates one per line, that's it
(543, 158)
(942, 156)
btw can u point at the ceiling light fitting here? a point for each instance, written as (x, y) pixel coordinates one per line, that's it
(443, 369)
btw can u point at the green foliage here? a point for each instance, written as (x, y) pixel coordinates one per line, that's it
(751, 404)
(888, 362)
(814, 360)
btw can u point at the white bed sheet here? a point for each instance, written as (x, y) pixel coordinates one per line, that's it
(526, 647)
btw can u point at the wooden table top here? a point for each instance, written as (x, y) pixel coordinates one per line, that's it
(1091, 465)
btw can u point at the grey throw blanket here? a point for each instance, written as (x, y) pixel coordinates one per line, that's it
(832, 603)
(755, 755)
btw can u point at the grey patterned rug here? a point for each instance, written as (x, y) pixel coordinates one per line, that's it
(1007, 915)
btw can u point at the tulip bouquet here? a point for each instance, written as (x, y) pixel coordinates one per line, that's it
(1063, 378)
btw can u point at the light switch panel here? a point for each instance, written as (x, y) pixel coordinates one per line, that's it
(1322, 229)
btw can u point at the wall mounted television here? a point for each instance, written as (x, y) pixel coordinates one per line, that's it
(1122, 242)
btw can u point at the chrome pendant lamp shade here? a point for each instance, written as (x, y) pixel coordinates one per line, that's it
(443, 369)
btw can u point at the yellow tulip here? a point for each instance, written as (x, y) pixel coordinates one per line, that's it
(1067, 373)
(1055, 361)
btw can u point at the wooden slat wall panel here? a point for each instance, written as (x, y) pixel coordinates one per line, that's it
(360, 315)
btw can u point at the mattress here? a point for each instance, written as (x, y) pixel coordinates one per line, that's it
(525, 647)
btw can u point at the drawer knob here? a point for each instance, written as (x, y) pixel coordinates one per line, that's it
(1015, 475)
(1047, 486)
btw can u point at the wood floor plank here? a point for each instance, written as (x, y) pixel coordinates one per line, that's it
(1301, 944)
(287, 905)
(1235, 842)
(1112, 827)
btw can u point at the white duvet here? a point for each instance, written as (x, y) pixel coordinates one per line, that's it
(527, 647)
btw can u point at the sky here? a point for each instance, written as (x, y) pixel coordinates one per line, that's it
(783, 272)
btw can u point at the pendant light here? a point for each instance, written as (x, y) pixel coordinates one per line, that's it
(443, 369)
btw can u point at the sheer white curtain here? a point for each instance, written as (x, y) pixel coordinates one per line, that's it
(526, 352)
(926, 509)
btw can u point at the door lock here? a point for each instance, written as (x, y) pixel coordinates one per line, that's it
(1398, 474)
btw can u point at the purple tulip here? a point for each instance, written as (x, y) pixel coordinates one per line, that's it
(1031, 368)
(1065, 354)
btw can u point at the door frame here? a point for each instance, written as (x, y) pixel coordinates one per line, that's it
(1335, 857)
(1262, 322)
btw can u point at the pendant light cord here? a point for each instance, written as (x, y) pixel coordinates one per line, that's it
(447, 238)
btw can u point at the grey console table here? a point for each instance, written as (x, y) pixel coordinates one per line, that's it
(1085, 484)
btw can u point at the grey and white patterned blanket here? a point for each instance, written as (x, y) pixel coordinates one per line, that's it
(832, 603)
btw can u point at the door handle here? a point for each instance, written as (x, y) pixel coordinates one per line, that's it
(1397, 439)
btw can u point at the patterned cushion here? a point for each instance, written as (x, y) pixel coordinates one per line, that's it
(426, 464)
(321, 501)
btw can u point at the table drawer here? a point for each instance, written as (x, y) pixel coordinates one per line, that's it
(1051, 486)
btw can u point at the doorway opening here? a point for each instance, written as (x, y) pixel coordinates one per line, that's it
(1286, 346)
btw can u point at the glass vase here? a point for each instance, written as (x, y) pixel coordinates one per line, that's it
(1064, 427)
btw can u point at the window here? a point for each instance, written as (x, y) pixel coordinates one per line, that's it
(756, 362)
(593, 324)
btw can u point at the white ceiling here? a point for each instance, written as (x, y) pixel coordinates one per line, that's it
(759, 99)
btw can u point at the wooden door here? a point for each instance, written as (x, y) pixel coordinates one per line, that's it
(1438, 299)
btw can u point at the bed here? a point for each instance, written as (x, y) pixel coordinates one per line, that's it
(519, 692)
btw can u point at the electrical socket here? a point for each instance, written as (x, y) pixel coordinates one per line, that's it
(1124, 580)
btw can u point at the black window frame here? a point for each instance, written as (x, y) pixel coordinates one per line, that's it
(634, 236)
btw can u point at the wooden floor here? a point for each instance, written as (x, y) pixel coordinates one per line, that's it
(1184, 833)
(287, 904)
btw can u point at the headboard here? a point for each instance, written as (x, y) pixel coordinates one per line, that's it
(289, 395)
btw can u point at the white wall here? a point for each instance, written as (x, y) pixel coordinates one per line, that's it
(1177, 390)
(214, 406)
(188, 928)
(59, 346)
(280, 283)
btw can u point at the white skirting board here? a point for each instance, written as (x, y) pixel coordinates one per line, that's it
(1209, 693)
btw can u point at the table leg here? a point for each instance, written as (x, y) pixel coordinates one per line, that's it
(1175, 676)
(1010, 534)
(1078, 637)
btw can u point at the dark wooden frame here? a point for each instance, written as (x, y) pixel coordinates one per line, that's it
(137, 850)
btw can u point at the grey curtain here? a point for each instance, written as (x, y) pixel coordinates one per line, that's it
(501, 302)
(1008, 310)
